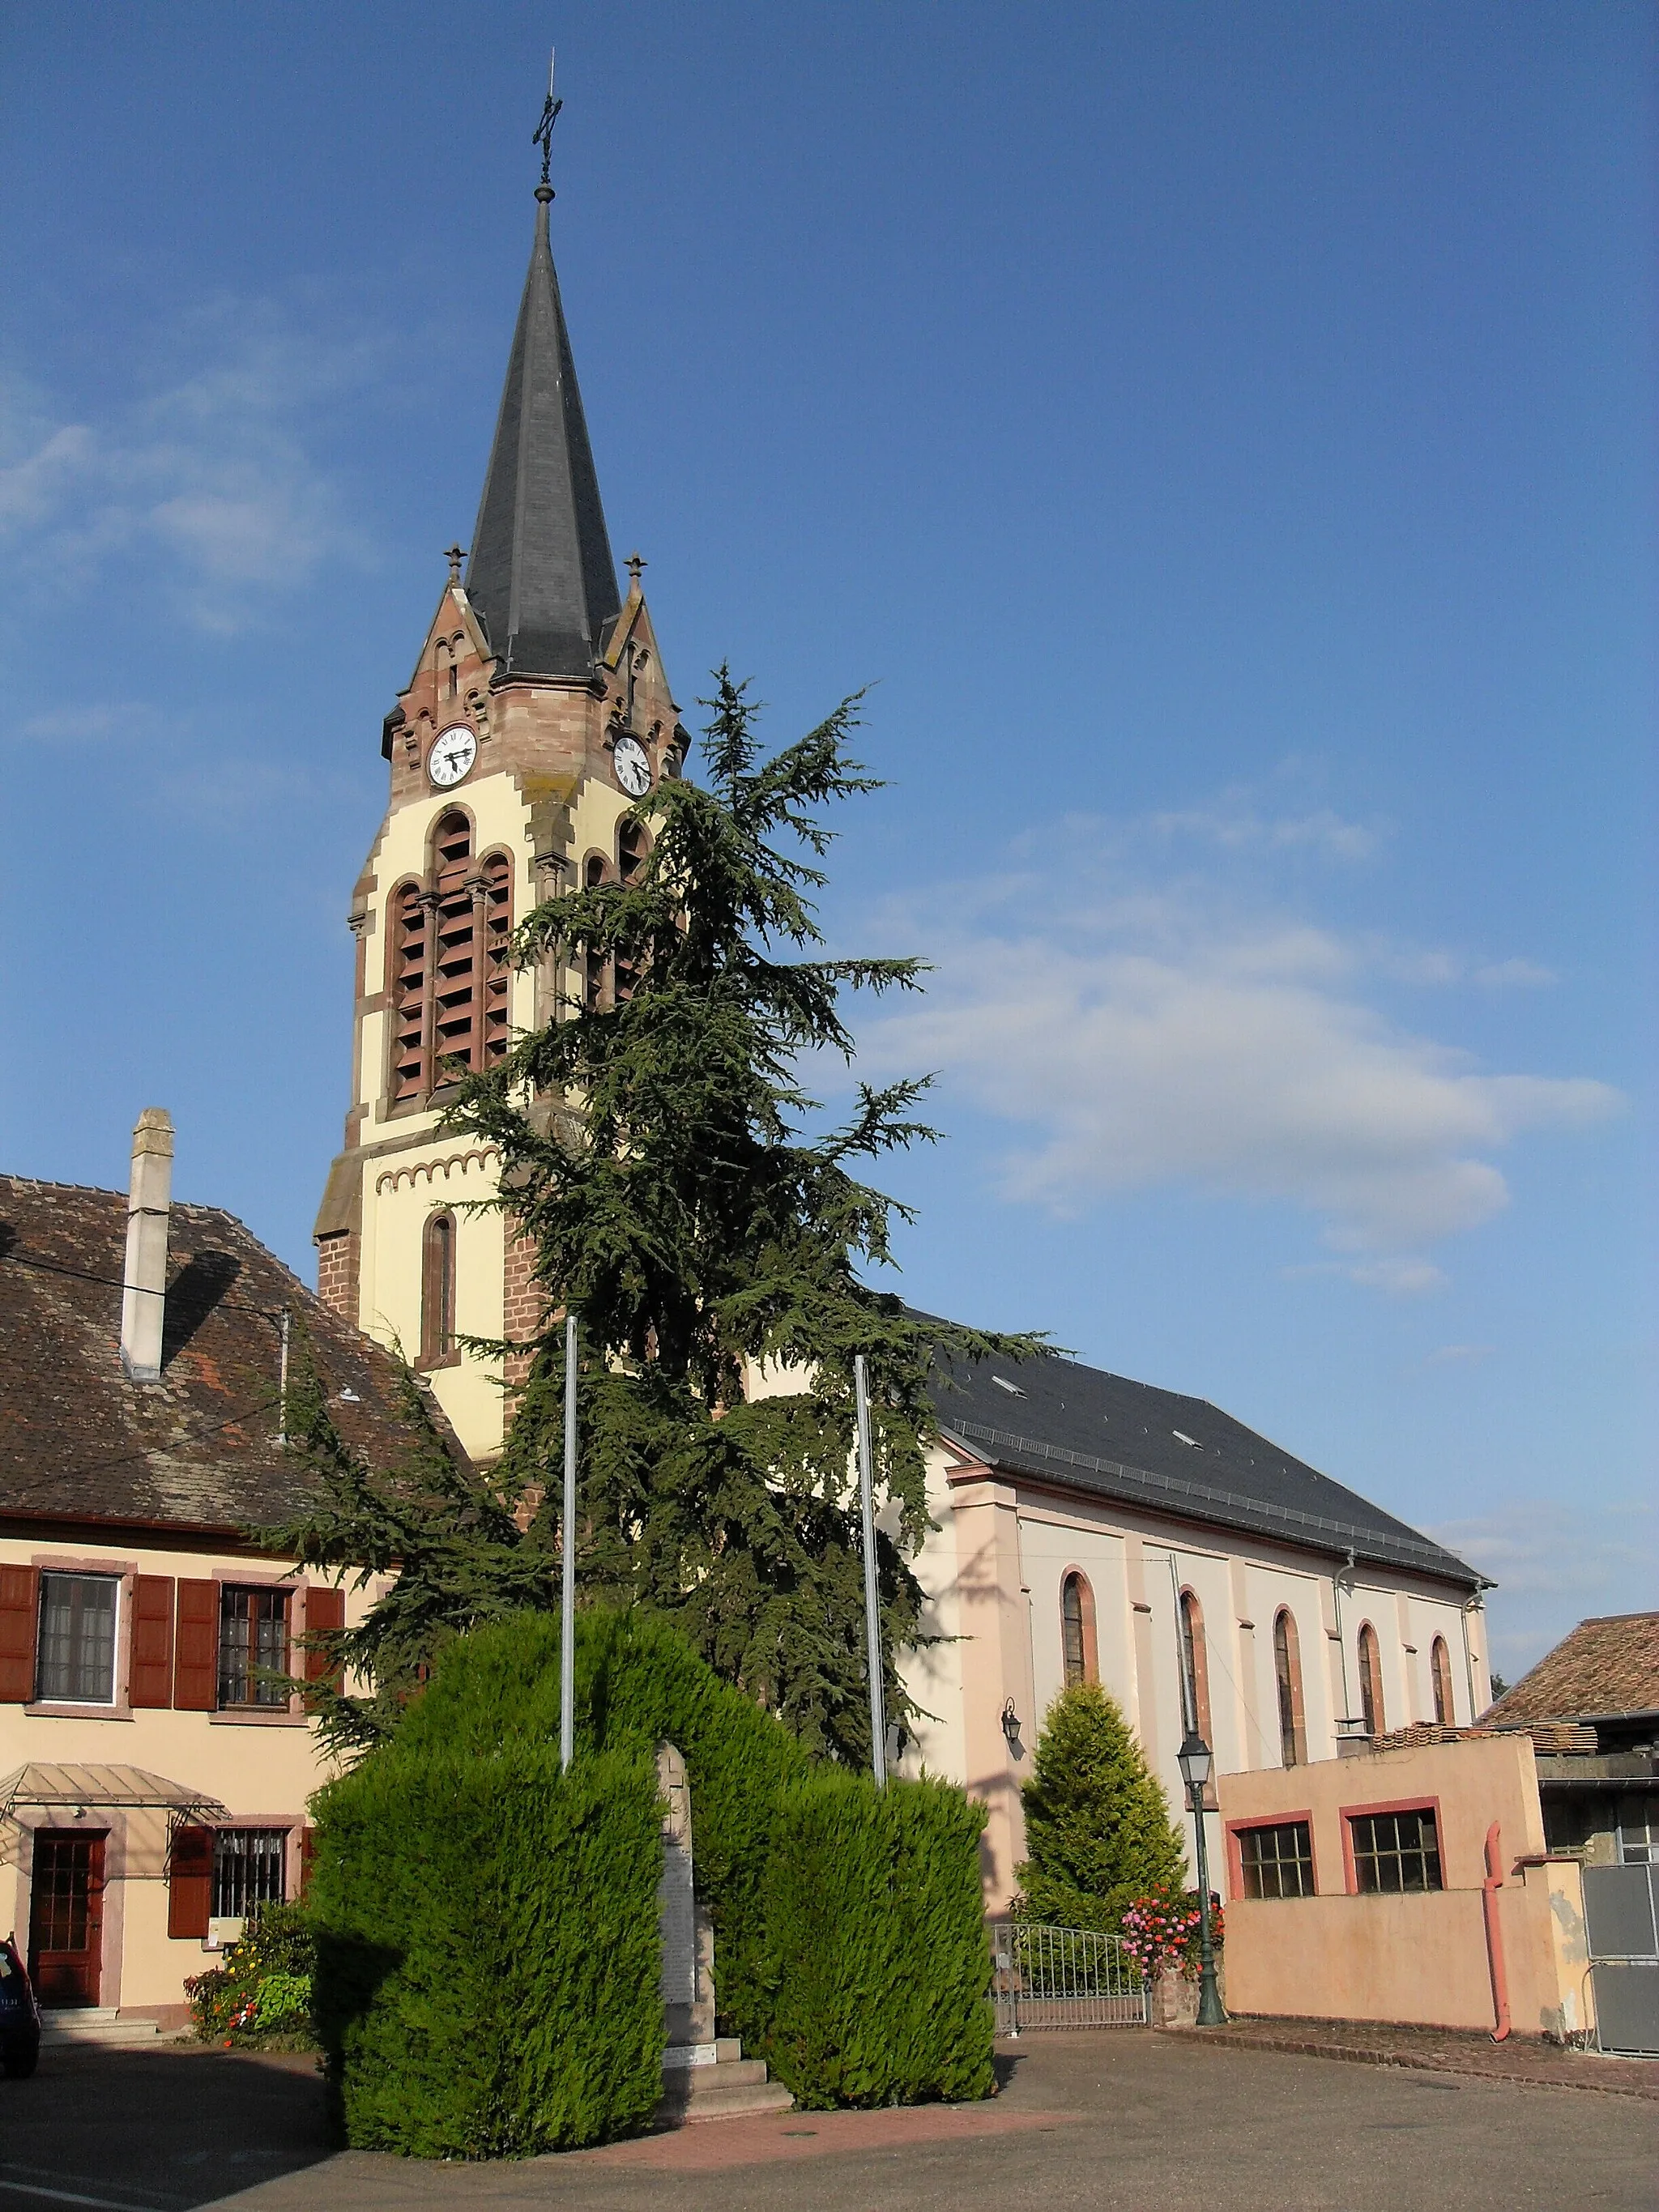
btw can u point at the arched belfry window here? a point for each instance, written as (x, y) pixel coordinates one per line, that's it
(595, 967)
(1371, 1680)
(1287, 1673)
(1196, 1659)
(449, 974)
(1077, 1630)
(632, 846)
(438, 1290)
(1440, 1670)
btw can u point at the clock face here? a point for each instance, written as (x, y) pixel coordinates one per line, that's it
(452, 755)
(631, 765)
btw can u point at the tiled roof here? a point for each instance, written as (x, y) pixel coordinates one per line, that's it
(1085, 1430)
(198, 1449)
(1609, 1665)
(1555, 1736)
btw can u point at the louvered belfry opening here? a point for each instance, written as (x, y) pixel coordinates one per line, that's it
(451, 970)
(455, 1009)
(498, 973)
(408, 993)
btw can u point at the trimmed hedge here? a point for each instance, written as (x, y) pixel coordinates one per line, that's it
(850, 1944)
(878, 1946)
(487, 1979)
(638, 1684)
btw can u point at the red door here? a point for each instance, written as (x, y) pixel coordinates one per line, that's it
(66, 1916)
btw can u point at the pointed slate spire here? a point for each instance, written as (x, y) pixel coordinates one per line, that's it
(541, 575)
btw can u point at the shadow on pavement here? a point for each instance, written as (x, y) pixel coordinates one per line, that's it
(160, 2130)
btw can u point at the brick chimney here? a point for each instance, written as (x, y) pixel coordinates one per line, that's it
(149, 1200)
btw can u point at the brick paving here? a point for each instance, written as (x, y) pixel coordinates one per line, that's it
(1439, 2050)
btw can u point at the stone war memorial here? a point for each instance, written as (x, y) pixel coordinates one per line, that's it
(703, 2073)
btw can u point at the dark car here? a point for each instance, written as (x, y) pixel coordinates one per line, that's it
(19, 2015)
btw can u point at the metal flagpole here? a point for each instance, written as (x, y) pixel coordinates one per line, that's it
(568, 1540)
(872, 1604)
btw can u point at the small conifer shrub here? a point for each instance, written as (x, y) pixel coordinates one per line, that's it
(1098, 1823)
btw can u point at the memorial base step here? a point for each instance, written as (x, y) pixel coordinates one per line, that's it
(730, 2087)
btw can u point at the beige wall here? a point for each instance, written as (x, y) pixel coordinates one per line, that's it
(1340, 1955)
(261, 1769)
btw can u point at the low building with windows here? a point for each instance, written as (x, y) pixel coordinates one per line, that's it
(1090, 1528)
(1503, 1875)
(154, 1767)
(1408, 1882)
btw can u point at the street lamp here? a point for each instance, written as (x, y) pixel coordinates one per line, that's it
(1194, 1762)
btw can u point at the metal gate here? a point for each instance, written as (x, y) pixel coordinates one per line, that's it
(1621, 1913)
(1064, 1978)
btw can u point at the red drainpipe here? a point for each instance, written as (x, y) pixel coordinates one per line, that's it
(1500, 1980)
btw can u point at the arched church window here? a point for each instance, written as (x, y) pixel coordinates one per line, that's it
(1371, 1680)
(438, 1290)
(1287, 1672)
(1440, 1672)
(1077, 1630)
(1196, 1659)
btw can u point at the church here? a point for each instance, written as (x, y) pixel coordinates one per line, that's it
(1088, 1526)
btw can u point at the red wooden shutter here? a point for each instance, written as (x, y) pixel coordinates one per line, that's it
(20, 1605)
(196, 1649)
(190, 1873)
(325, 1608)
(150, 1679)
(308, 1852)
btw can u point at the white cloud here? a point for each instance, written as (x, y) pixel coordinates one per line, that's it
(1154, 1036)
(87, 723)
(1237, 827)
(1458, 1355)
(208, 477)
(1509, 974)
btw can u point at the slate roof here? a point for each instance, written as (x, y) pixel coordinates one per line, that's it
(1607, 1669)
(1109, 1438)
(196, 1450)
(541, 577)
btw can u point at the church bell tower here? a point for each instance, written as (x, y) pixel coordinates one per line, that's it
(537, 717)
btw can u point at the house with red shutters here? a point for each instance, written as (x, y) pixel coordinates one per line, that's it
(154, 1770)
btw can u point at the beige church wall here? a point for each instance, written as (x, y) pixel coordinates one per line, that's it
(402, 1194)
(1053, 1544)
(932, 1673)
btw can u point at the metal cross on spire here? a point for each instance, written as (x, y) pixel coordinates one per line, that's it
(543, 135)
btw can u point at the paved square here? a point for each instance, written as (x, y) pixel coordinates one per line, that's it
(1117, 2119)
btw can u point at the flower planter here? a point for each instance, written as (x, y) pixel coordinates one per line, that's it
(1175, 2001)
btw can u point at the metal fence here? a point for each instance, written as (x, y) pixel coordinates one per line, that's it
(1064, 1978)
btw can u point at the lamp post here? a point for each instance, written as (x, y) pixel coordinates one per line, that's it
(1194, 1762)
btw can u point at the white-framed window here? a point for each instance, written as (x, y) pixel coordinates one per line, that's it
(74, 1657)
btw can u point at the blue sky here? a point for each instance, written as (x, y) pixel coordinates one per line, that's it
(1220, 436)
